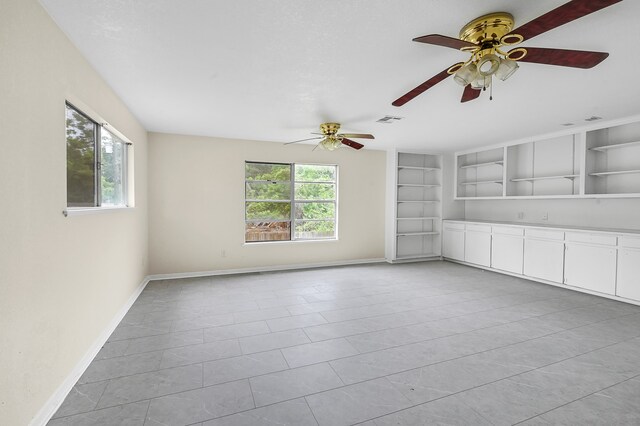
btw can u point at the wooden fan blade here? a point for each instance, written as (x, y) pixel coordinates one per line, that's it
(303, 140)
(469, 93)
(440, 40)
(352, 144)
(356, 135)
(422, 88)
(559, 16)
(563, 58)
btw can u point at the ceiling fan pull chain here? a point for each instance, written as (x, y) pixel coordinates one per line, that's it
(491, 89)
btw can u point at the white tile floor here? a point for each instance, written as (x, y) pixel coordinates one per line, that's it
(412, 344)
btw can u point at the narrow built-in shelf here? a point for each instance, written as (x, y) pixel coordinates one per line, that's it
(417, 185)
(614, 146)
(545, 178)
(419, 218)
(622, 172)
(489, 163)
(417, 201)
(406, 234)
(481, 182)
(418, 168)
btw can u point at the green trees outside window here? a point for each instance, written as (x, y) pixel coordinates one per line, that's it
(282, 197)
(96, 163)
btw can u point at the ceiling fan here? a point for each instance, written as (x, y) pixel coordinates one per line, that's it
(330, 139)
(485, 37)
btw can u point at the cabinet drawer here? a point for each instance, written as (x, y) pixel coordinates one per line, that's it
(584, 237)
(631, 242)
(479, 228)
(508, 230)
(544, 234)
(454, 226)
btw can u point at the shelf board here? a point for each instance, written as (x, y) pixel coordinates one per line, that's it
(419, 218)
(614, 146)
(489, 163)
(418, 201)
(417, 256)
(417, 185)
(406, 234)
(545, 178)
(481, 182)
(622, 172)
(429, 169)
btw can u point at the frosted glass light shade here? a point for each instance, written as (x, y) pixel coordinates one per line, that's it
(506, 69)
(466, 74)
(481, 82)
(488, 64)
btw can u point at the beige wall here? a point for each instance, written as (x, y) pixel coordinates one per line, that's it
(62, 280)
(196, 205)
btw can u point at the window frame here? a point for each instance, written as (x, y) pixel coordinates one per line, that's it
(292, 201)
(100, 126)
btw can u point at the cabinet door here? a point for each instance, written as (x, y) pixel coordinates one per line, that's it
(477, 248)
(544, 259)
(507, 253)
(591, 267)
(453, 244)
(628, 274)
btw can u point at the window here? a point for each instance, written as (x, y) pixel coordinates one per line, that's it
(289, 202)
(96, 163)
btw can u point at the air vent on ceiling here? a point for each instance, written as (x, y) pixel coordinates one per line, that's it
(593, 118)
(388, 119)
(567, 124)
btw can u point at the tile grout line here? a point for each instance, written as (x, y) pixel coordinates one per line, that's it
(582, 397)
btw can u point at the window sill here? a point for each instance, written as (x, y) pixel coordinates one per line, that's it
(262, 243)
(80, 211)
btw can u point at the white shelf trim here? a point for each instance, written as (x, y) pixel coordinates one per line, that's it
(622, 172)
(489, 163)
(545, 178)
(614, 146)
(481, 182)
(406, 234)
(418, 201)
(418, 168)
(419, 185)
(419, 218)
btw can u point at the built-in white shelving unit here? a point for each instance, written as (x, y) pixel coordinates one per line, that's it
(417, 193)
(596, 162)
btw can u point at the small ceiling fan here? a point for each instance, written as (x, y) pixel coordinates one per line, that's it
(330, 139)
(485, 37)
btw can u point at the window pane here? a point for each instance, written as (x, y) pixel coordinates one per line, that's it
(267, 231)
(315, 211)
(112, 170)
(81, 136)
(315, 173)
(315, 191)
(267, 191)
(313, 230)
(268, 210)
(267, 171)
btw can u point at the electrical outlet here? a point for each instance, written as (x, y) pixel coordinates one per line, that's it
(545, 216)
(520, 215)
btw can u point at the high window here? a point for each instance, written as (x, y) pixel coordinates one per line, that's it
(96, 163)
(290, 202)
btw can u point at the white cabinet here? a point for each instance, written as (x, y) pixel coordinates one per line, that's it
(628, 284)
(507, 249)
(544, 255)
(477, 245)
(453, 241)
(591, 267)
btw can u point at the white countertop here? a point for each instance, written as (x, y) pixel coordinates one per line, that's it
(541, 225)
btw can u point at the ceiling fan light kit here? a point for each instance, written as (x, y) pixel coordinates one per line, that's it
(330, 139)
(486, 36)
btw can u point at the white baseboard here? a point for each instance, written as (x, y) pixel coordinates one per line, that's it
(262, 269)
(58, 397)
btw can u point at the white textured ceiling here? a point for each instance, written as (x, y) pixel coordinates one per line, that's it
(274, 70)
